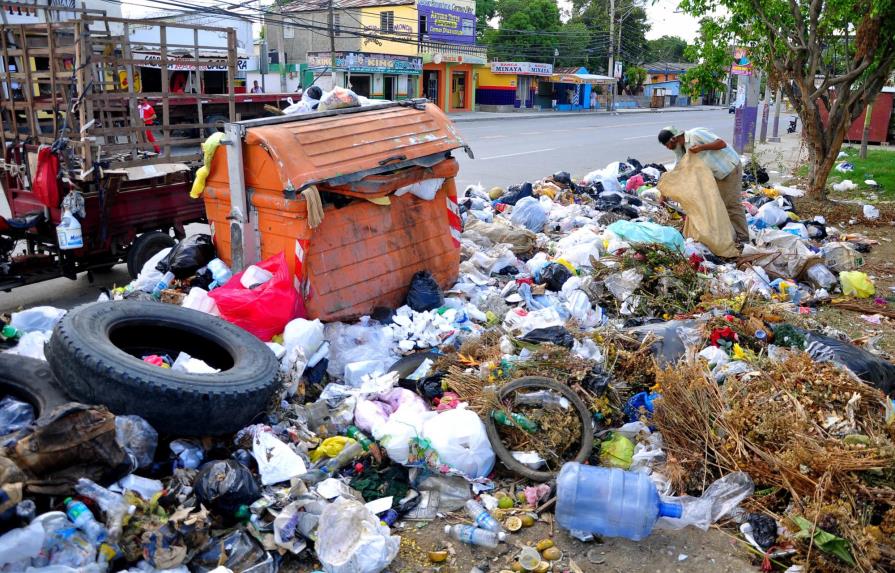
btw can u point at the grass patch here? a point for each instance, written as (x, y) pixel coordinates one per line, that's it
(879, 166)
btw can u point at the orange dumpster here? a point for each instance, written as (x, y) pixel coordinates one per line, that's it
(370, 242)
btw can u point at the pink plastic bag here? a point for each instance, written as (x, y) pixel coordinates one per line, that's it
(264, 311)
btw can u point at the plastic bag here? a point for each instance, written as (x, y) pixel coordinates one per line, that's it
(350, 539)
(224, 485)
(277, 462)
(872, 369)
(189, 453)
(554, 275)
(32, 345)
(425, 189)
(841, 257)
(515, 193)
(529, 213)
(38, 318)
(552, 334)
(424, 293)
(857, 284)
(871, 213)
(263, 311)
(772, 215)
(460, 439)
(719, 499)
(647, 232)
(617, 452)
(338, 98)
(622, 285)
(188, 256)
(137, 437)
(236, 551)
(149, 275)
(820, 276)
(14, 415)
(361, 342)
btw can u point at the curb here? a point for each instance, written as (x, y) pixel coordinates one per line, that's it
(555, 115)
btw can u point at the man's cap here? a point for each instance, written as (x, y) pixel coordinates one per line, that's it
(673, 130)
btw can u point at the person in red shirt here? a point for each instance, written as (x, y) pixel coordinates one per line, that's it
(147, 114)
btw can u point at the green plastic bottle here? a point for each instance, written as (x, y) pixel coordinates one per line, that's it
(514, 420)
(356, 434)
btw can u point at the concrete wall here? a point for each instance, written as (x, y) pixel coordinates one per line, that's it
(304, 40)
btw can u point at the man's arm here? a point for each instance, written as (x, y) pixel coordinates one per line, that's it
(713, 146)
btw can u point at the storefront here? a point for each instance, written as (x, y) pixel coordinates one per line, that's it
(510, 85)
(577, 91)
(376, 76)
(448, 80)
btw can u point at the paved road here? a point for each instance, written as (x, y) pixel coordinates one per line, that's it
(513, 151)
(507, 150)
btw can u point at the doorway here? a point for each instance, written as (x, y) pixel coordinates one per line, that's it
(361, 85)
(430, 86)
(388, 87)
(458, 90)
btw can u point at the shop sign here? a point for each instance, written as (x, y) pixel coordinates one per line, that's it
(367, 63)
(216, 65)
(524, 68)
(448, 21)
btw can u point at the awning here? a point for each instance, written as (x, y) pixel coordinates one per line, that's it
(581, 79)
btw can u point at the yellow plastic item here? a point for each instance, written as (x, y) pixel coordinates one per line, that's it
(792, 216)
(857, 284)
(384, 201)
(330, 447)
(568, 265)
(208, 148)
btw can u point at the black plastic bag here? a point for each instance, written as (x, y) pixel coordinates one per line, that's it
(816, 231)
(424, 294)
(224, 485)
(554, 275)
(237, 551)
(563, 178)
(764, 529)
(557, 335)
(188, 256)
(515, 193)
(872, 369)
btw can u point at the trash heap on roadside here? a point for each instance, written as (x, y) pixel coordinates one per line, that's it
(591, 365)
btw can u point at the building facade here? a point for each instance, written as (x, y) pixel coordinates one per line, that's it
(385, 49)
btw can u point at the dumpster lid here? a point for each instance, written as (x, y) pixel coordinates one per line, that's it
(313, 148)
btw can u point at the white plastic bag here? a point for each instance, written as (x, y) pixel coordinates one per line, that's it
(150, 276)
(350, 539)
(276, 461)
(529, 213)
(461, 442)
(21, 543)
(32, 345)
(364, 341)
(622, 285)
(719, 499)
(871, 213)
(305, 335)
(772, 215)
(425, 189)
(37, 318)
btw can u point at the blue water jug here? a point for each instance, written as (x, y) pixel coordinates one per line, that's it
(609, 501)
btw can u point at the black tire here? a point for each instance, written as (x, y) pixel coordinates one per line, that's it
(97, 350)
(218, 121)
(144, 248)
(30, 380)
(538, 383)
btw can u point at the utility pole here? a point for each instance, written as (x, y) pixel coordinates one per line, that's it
(281, 54)
(332, 42)
(775, 138)
(611, 73)
(765, 110)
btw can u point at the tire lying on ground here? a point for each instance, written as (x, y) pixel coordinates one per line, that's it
(30, 380)
(96, 354)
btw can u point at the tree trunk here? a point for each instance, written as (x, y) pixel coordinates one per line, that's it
(868, 113)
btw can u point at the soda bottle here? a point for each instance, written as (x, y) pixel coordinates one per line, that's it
(514, 420)
(481, 517)
(356, 434)
(164, 283)
(474, 536)
(83, 519)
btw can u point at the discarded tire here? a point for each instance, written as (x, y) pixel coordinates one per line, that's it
(144, 248)
(96, 353)
(538, 383)
(30, 380)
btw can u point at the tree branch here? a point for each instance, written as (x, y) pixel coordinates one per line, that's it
(799, 21)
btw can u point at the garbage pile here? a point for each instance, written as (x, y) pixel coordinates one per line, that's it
(591, 361)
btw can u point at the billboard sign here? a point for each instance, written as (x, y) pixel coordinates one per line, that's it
(742, 65)
(524, 68)
(448, 21)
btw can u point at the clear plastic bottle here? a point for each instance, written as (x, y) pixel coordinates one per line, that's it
(162, 284)
(481, 517)
(112, 504)
(542, 398)
(348, 454)
(220, 272)
(474, 536)
(609, 501)
(83, 519)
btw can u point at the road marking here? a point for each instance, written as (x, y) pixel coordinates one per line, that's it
(493, 136)
(531, 133)
(517, 154)
(638, 137)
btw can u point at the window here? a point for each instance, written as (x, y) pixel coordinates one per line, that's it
(335, 23)
(424, 25)
(387, 22)
(468, 27)
(288, 32)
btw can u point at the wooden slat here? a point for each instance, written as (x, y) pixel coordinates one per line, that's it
(231, 74)
(29, 92)
(166, 88)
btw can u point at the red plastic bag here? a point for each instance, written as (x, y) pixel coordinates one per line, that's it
(46, 184)
(265, 310)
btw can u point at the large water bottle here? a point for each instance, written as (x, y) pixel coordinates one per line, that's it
(220, 272)
(609, 501)
(474, 535)
(83, 519)
(481, 517)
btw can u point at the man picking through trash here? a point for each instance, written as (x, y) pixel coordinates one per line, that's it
(724, 163)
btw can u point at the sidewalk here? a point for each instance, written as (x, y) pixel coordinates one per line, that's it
(784, 156)
(474, 116)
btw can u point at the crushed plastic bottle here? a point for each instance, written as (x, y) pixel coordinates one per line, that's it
(83, 519)
(115, 507)
(474, 536)
(609, 501)
(481, 517)
(542, 398)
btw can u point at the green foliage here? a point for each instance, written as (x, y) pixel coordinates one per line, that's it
(634, 78)
(484, 11)
(630, 19)
(667, 49)
(714, 57)
(521, 34)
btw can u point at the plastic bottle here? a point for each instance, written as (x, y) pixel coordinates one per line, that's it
(164, 283)
(474, 536)
(83, 519)
(220, 272)
(356, 434)
(68, 232)
(514, 420)
(542, 398)
(10, 332)
(609, 501)
(112, 504)
(481, 517)
(26, 511)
